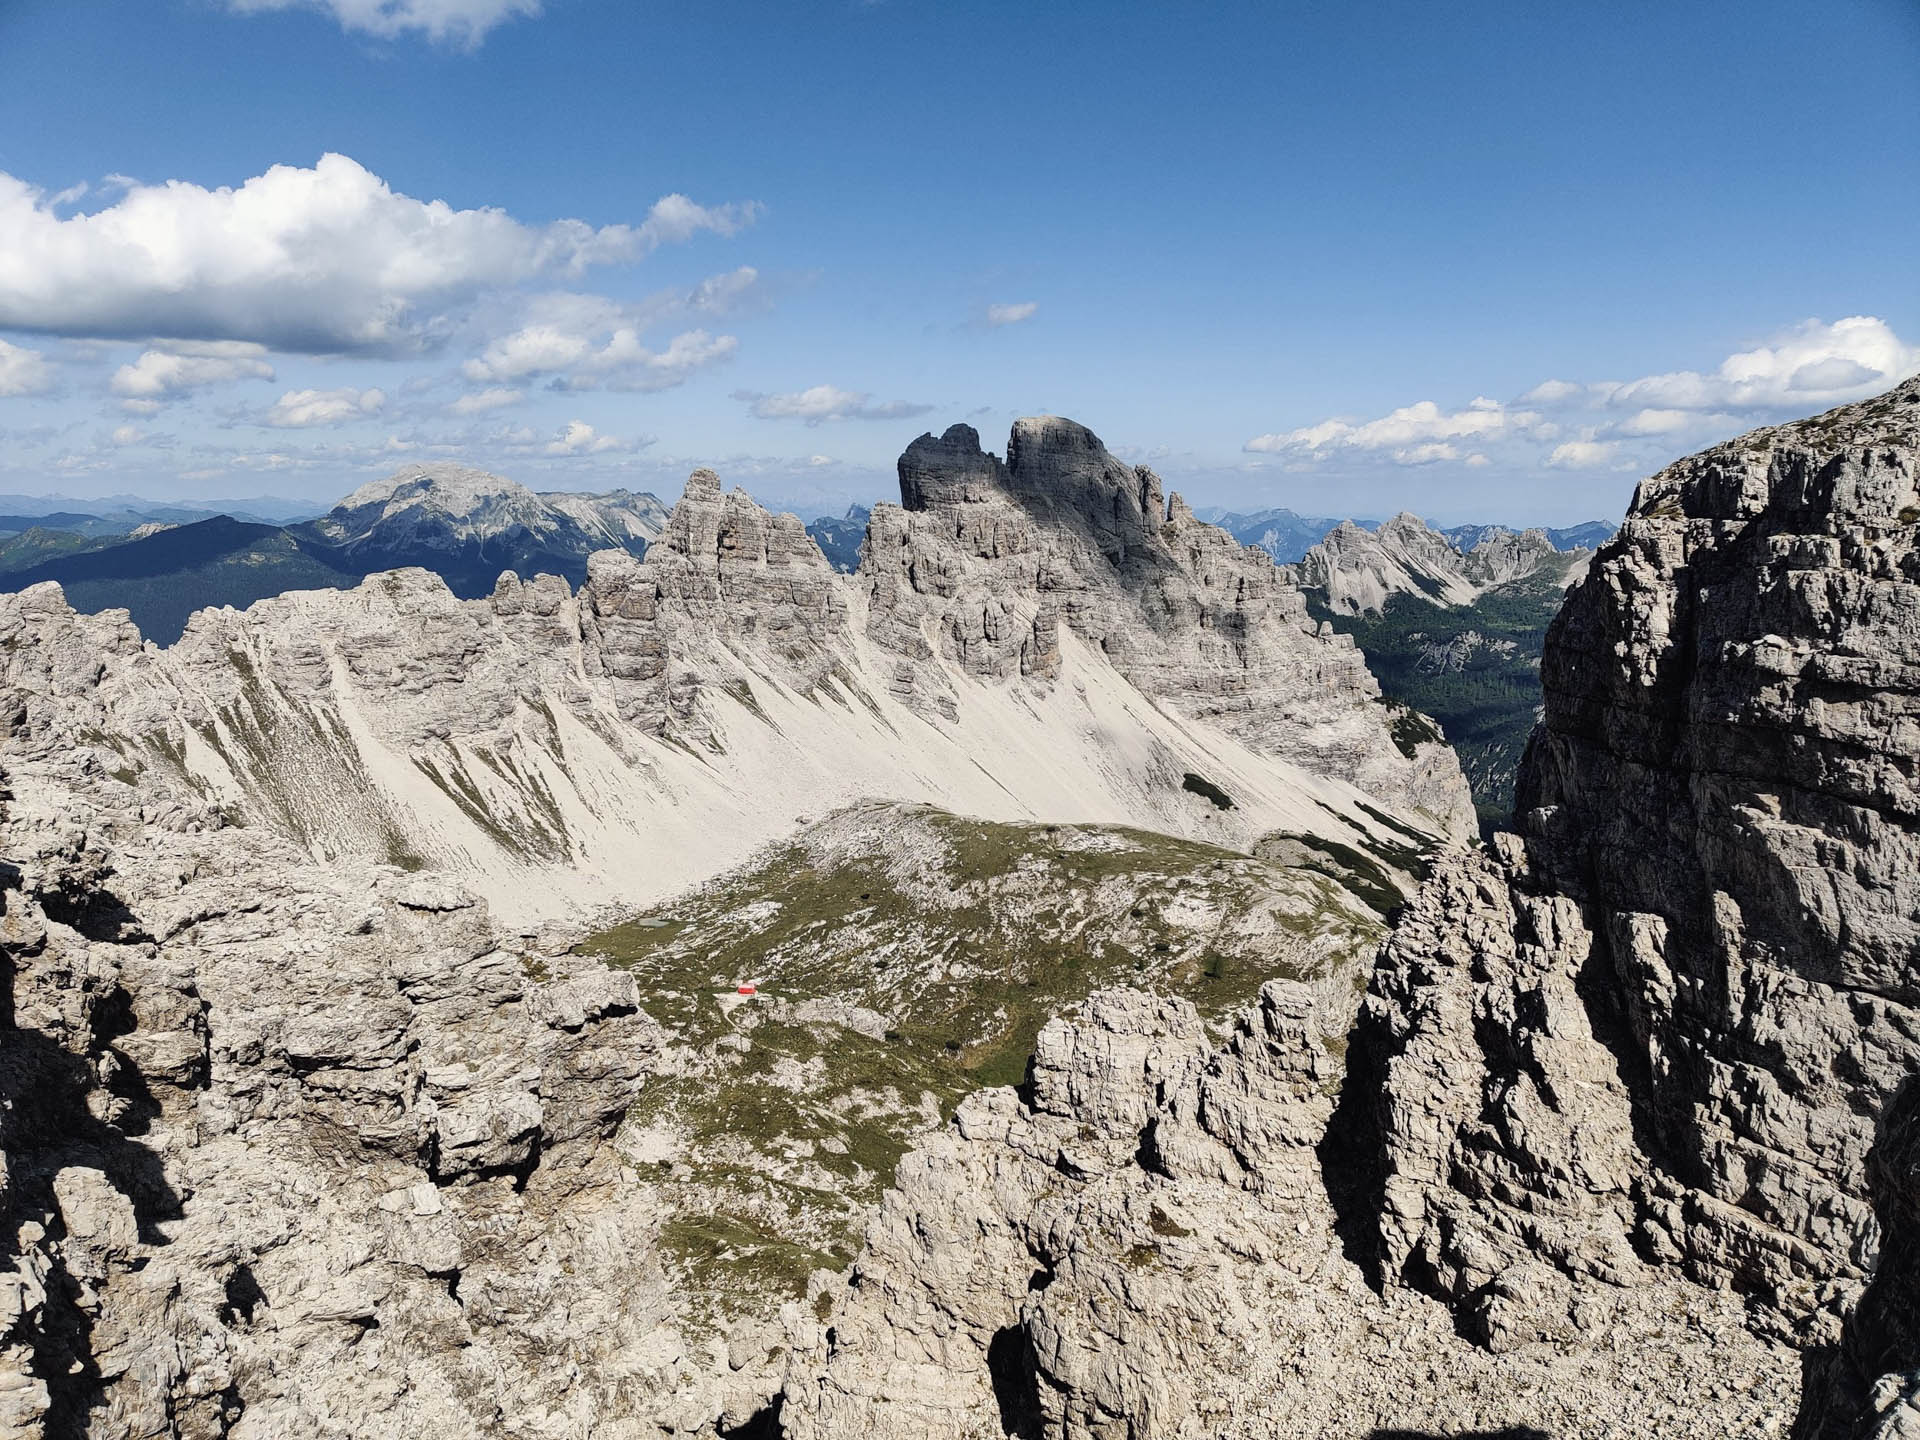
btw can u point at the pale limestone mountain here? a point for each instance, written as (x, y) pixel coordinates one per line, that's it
(1355, 571)
(468, 525)
(1029, 656)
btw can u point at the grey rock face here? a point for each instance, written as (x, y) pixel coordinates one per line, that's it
(1144, 1245)
(1670, 1025)
(1506, 1131)
(320, 1153)
(1725, 779)
(1871, 1386)
(998, 560)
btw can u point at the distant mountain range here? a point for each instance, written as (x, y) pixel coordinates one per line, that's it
(1357, 571)
(1284, 535)
(468, 526)
(839, 539)
(1288, 536)
(162, 562)
(465, 525)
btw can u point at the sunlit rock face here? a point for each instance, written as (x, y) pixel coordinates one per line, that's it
(1683, 1003)
(984, 564)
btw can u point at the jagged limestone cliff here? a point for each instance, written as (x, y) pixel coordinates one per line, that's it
(1720, 808)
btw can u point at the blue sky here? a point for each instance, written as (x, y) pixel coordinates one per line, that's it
(1483, 261)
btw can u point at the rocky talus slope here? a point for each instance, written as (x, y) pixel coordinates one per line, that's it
(1620, 1096)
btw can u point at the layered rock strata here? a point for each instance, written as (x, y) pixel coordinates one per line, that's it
(1659, 1032)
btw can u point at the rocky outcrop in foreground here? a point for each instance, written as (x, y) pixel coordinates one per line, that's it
(300, 1155)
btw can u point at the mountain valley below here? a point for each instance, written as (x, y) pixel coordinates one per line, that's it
(1021, 961)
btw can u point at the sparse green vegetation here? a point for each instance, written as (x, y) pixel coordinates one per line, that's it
(1359, 873)
(954, 941)
(1410, 729)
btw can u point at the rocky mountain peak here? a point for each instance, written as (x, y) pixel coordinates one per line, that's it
(459, 491)
(1406, 527)
(468, 525)
(950, 470)
(1358, 571)
(1055, 468)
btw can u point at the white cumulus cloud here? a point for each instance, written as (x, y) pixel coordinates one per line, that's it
(820, 403)
(22, 371)
(1576, 425)
(1416, 434)
(298, 409)
(479, 402)
(998, 315)
(316, 260)
(456, 22)
(1580, 454)
(580, 438)
(586, 341)
(174, 367)
(1813, 366)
